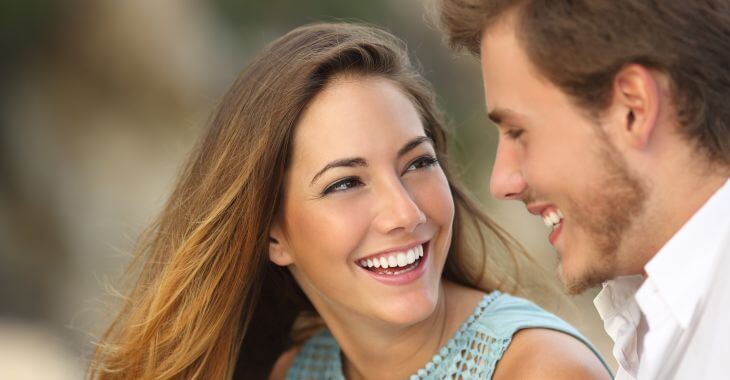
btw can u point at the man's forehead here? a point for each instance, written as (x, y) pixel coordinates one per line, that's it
(503, 26)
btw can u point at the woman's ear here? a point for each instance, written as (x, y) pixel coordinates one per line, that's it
(278, 248)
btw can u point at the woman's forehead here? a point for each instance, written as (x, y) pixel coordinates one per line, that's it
(356, 115)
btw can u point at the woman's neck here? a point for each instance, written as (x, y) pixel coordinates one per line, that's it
(373, 350)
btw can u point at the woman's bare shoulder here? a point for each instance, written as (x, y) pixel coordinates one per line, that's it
(547, 354)
(284, 363)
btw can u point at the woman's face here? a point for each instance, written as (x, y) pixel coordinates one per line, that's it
(364, 192)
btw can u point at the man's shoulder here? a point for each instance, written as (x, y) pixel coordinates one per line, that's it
(705, 352)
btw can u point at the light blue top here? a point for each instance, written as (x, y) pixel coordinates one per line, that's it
(471, 353)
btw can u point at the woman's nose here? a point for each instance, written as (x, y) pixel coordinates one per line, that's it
(398, 210)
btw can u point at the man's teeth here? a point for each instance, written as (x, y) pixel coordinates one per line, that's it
(394, 259)
(552, 218)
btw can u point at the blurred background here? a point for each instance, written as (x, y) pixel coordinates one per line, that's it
(100, 102)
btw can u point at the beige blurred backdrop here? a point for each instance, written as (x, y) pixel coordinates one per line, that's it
(101, 100)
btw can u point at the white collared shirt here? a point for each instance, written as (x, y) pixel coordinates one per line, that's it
(654, 321)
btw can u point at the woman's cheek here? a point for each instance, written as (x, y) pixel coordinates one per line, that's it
(432, 195)
(334, 227)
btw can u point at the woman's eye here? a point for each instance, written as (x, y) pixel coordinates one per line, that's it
(422, 162)
(342, 185)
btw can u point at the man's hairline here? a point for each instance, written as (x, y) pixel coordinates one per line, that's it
(510, 19)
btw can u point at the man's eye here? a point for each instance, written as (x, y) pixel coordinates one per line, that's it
(422, 162)
(514, 134)
(342, 185)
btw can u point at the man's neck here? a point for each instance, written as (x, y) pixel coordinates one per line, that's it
(681, 195)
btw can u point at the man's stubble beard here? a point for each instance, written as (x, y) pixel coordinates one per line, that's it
(606, 213)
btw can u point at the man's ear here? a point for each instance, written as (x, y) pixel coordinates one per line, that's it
(278, 248)
(636, 105)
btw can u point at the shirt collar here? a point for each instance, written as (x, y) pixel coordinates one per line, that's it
(621, 317)
(683, 267)
(615, 295)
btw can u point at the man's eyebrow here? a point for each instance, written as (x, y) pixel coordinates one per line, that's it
(359, 161)
(502, 115)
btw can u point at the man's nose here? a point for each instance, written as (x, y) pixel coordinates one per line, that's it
(507, 181)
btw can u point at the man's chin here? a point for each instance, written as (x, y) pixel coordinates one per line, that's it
(578, 281)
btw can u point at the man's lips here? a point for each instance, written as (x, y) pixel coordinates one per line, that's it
(551, 216)
(557, 229)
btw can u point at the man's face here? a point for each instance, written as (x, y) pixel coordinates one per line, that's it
(560, 163)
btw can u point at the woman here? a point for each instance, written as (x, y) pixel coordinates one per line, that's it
(320, 197)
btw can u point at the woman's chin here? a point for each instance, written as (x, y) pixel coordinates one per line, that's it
(407, 310)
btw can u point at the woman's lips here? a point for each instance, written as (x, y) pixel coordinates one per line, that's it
(407, 266)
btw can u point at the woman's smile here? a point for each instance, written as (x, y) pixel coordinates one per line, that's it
(397, 266)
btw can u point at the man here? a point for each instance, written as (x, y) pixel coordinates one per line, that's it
(614, 127)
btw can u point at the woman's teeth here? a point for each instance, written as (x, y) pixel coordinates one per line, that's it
(393, 260)
(552, 218)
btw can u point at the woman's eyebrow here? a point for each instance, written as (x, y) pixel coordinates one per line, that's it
(344, 162)
(359, 161)
(409, 146)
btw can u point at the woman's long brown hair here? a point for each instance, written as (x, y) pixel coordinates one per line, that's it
(206, 303)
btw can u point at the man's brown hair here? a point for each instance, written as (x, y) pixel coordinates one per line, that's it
(580, 45)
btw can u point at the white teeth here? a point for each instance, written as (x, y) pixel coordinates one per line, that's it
(402, 260)
(411, 256)
(547, 221)
(392, 261)
(383, 263)
(552, 218)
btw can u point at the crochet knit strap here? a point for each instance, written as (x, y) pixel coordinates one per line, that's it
(471, 353)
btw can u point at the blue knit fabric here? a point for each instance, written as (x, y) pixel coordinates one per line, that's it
(471, 353)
